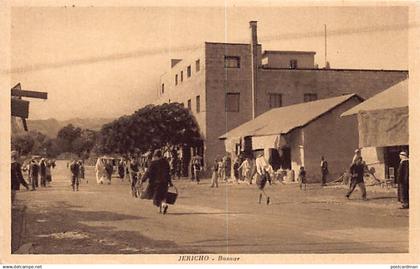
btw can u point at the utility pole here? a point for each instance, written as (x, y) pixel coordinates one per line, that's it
(325, 42)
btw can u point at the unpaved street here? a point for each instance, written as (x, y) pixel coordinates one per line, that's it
(106, 219)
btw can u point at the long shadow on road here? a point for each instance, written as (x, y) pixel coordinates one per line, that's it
(59, 229)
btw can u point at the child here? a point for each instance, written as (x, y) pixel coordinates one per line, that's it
(246, 170)
(302, 178)
(215, 174)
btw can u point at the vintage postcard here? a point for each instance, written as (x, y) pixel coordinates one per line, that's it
(224, 132)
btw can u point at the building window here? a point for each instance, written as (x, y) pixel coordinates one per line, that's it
(197, 103)
(176, 79)
(232, 62)
(232, 102)
(163, 88)
(293, 64)
(189, 71)
(182, 76)
(197, 65)
(275, 100)
(189, 104)
(308, 97)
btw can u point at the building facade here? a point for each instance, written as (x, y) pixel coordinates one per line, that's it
(227, 84)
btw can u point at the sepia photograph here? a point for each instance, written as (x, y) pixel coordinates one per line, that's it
(209, 133)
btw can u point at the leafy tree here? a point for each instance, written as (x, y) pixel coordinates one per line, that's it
(23, 143)
(162, 126)
(83, 144)
(66, 136)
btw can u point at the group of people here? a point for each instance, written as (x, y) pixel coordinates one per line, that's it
(38, 170)
(358, 169)
(154, 168)
(259, 169)
(104, 169)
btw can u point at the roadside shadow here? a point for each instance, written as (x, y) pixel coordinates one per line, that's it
(205, 213)
(65, 231)
(383, 198)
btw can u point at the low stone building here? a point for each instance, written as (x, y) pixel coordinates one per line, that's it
(298, 135)
(227, 84)
(383, 129)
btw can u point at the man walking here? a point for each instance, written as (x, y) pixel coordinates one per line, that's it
(262, 168)
(324, 171)
(43, 172)
(357, 170)
(134, 169)
(33, 172)
(16, 175)
(159, 177)
(403, 181)
(75, 170)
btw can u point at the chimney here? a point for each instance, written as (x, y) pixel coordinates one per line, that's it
(254, 38)
(254, 65)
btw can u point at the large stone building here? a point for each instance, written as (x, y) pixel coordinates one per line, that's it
(227, 84)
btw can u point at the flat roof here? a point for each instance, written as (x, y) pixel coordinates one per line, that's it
(329, 69)
(288, 52)
(234, 44)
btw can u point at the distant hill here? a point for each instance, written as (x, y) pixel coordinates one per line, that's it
(50, 127)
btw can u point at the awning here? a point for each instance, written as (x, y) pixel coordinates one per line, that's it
(383, 118)
(268, 141)
(383, 128)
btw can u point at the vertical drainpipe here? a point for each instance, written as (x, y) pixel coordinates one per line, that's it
(254, 65)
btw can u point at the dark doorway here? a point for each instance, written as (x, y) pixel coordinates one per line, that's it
(285, 158)
(392, 160)
(275, 159)
(185, 161)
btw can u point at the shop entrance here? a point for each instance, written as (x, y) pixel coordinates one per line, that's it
(392, 160)
(285, 158)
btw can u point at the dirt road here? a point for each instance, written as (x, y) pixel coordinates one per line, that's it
(106, 219)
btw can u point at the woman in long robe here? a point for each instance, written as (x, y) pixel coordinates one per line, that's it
(100, 169)
(159, 177)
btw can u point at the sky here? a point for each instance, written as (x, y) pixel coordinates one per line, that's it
(106, 61)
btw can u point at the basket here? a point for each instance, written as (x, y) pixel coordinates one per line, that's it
(172, 196)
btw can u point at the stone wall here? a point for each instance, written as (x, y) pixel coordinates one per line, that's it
(293, 84)
(333, 137)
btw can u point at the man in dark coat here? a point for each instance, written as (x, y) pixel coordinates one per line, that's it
(403, 180)
(159, 177)
(43, 172)
(75, 173)
(16, 175)
(324, 171)
(33, 173)
(109, 168)
(121, 168)
(134, 169)
(357, 171)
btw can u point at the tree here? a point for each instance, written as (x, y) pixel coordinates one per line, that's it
(66, 136)
(83, 144)
(23, 143)
(33, 142)
(151, 127)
